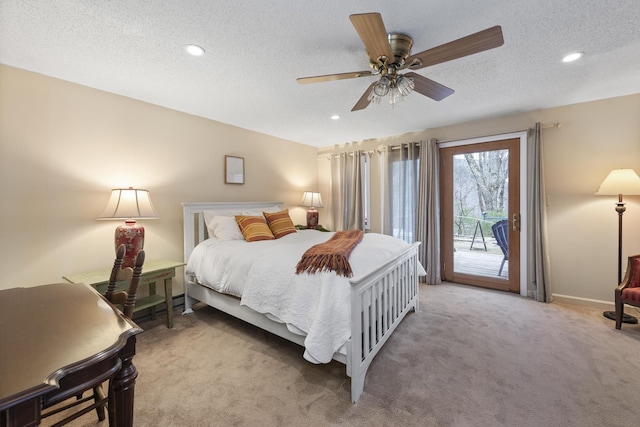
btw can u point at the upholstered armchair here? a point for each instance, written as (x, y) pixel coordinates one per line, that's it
(628, 292)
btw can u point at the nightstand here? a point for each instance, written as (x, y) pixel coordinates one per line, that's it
(318, 227)
(152, 272)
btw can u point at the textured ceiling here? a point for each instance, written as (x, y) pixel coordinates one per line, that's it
(255, 50)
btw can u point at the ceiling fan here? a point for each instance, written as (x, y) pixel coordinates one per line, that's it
(391, 53)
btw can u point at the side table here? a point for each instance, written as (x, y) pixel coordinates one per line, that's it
(152, 272)
(304, 227)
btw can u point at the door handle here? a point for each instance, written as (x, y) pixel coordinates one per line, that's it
(516, 225)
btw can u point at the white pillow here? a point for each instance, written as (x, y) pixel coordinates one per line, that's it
(223, 227)
(258, 212)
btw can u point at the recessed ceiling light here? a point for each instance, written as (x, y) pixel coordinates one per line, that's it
(572, 56)
(194, 50)
(335, 117)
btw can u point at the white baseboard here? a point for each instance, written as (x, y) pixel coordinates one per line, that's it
(585, 302)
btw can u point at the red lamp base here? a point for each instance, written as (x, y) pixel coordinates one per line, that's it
(312, 219)
(132, 236)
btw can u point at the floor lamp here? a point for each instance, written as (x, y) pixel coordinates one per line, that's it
(620, 182)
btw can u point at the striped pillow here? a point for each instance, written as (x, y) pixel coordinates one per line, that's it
(280, 223)
(254, 228)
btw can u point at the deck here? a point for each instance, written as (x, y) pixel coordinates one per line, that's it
(477, 261)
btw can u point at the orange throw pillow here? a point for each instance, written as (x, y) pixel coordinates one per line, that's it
(254, 228)
(280, 223)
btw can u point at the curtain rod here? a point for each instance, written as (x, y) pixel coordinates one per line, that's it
(551, 125)
(329, 155)
(542, 125)
(397, 147)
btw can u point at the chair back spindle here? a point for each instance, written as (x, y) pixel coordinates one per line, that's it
(125, 298)
(117, 266)
(133, 287)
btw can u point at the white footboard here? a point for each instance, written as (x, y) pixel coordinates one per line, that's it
(379, 301)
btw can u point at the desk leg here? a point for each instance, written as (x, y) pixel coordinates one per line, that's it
(168, 292)
(122, 388)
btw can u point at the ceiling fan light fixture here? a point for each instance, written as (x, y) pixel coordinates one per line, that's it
(400, 87)
(396, 87)
(395, 96)
(382, 88)
(405, 85)
(373, 97)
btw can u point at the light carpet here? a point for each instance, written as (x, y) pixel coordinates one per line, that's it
(468, 357)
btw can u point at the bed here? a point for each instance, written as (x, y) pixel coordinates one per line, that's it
(345, 319)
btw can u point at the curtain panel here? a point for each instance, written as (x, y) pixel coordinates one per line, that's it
(346, 191)
(428, 211)
(538, 280)
(411, 201)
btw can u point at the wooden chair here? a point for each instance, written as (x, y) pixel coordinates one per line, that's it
(501, 233)
(628, 292)
(127, 300)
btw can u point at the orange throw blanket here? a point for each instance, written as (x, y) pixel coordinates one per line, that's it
(332, 255)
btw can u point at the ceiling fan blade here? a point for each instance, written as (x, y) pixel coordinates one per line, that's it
(331, 77)
(371, 30)
(474, 43)
(428, 87)
(363, 102)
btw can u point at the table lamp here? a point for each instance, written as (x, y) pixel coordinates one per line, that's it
(129, 204)
(617, 183)
(312, 200)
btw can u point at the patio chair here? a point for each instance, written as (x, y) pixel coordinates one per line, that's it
(501, 233)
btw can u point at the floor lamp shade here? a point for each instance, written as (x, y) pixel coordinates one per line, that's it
(312, 200)
(620, 182)
(129, 204)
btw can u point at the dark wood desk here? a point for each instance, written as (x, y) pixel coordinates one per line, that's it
(60, 336)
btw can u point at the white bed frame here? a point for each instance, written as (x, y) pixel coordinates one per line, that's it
(379, 300)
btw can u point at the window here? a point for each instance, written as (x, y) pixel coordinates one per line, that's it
(404, 172)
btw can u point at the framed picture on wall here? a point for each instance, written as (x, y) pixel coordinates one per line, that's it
(233, 170)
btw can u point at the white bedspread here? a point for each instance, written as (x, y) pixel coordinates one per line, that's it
(263, 275)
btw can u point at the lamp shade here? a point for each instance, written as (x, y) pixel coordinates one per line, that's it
(129, 203)
(311, 199)
(620, 181)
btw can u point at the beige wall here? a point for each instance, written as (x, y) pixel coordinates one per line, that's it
(595, 138)
(64, 146)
